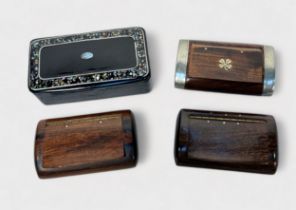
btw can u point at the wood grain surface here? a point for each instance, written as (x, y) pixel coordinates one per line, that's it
(225, 67)
(233, 141)
(86, 143)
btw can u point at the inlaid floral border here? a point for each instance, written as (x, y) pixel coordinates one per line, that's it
(140, 70)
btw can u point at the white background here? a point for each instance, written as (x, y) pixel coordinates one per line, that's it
(156, 182)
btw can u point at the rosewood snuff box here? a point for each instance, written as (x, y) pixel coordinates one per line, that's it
(83, 144)
(226, 140)
(90, 65)
(225, 67)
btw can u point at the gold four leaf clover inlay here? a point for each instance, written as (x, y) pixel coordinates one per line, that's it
(225, 64)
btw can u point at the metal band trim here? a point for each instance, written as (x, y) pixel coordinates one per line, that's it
(269, 71)
(181, 64)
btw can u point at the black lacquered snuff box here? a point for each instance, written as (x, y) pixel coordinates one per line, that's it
(89, 66)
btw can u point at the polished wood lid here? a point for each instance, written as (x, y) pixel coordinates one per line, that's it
(224, 140)
(85, 143)
(225, 67)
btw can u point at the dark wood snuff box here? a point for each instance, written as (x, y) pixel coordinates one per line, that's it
(225, 67)
(90, 65)
(83, 144)
(223, 140)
